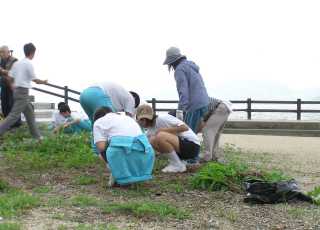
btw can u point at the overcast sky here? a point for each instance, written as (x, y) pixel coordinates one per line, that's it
(234, 42)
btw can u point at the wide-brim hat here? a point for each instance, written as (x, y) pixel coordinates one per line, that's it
(173, 54)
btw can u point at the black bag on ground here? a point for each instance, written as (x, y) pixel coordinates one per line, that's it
(262, 192)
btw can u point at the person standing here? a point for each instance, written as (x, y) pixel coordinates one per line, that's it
(212, 127)
(23, 74)
(6, 64)
(193, 96)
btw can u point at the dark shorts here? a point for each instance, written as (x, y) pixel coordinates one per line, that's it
(188, 149)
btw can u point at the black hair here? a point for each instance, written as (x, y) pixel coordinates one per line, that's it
(100, 112)
(60, 104)
(176, 63)
(29, 49)
(64, 108)
(136, 99)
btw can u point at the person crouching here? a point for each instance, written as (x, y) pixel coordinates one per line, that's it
(123, 146)
(171, 136)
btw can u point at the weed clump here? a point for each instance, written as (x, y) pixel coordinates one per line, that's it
(55, 151)
(315, 195)
(14, 202)
(216, 176)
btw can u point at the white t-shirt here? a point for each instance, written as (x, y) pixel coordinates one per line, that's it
(58, 119)
(168, 121)
(23, 73)
(112, 125)
(122, 100)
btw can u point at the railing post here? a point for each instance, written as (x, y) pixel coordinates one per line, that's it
(249, 108)
(154, 101)
(299, 109)
(66, 97)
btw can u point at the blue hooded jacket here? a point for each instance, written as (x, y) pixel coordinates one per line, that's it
(191, 89)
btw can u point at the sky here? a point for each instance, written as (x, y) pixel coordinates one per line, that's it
(261, 49)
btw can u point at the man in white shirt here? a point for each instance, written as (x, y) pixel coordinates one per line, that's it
(23, 74)
(171, 136)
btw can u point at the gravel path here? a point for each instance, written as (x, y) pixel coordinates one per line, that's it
(297, 156)
(301, 147)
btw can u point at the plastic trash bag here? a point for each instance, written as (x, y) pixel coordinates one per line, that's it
(262, 192)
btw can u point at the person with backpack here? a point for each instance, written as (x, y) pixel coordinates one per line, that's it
(23, 74)
(7, 61)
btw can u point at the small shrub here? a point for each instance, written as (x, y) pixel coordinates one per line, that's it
(315, 195)
(215, 176)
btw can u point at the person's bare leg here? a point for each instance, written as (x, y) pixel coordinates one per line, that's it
(167, 143)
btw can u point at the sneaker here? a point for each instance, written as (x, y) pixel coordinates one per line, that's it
(174, 168)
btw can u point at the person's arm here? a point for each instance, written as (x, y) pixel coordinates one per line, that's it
(183, 89)
(5, 74)
(38, 81)
(75, 121)
(101, 146)
(33, 76)
(174, 130)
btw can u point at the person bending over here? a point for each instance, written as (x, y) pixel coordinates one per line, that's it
(69, 122)
(123, 146)
(171, 136)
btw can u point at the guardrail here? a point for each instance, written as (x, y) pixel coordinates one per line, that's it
(249, 102)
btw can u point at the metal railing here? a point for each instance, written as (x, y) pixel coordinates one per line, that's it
(249, 103)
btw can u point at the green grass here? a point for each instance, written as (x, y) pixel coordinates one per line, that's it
(15, 202)
(84, 201)
(55, 151)
(42, 189)
(146, 209)
(10, 226)
(4, 186)
(85, 180)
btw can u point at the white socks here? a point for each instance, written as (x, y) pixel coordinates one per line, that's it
(175, 164)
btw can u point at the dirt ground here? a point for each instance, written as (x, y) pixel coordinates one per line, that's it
(299, 157)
